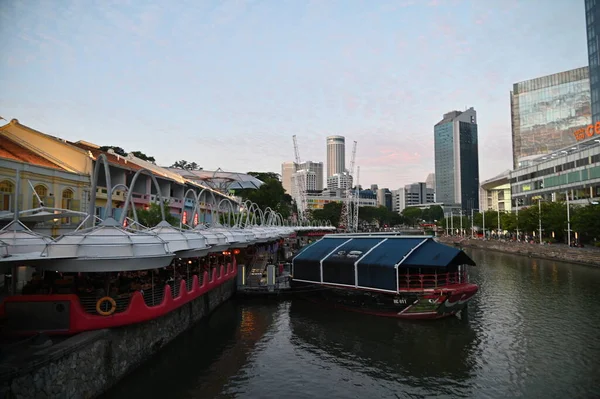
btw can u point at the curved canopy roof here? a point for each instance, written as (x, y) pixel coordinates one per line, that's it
(180, 240)
(21, 240)
(219, 179)
(371, 261)
(107, 247)
(216, 239)
(385, 251)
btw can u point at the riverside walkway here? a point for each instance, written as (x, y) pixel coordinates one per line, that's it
(588, 255)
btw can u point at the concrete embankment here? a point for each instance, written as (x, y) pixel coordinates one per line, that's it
(586, 256)
(88, 364)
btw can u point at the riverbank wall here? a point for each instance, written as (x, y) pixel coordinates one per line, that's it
(88, 364)
(584, 256)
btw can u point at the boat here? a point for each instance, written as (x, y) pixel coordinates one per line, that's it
(406, 277)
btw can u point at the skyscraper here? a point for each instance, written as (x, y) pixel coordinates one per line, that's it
(287, 170)
(592, 19)
(336, 155)
(547, 111)
(457, 160)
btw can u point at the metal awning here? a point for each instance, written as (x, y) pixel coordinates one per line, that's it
(185, 243)
(217, 241)
(42, 214)
(106, 248)
(20, 239)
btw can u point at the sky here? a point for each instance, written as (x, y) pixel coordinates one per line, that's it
(228, 83)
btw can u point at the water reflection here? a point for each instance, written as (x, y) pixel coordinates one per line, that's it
(432, 349)
(201, 361)
(532, 331)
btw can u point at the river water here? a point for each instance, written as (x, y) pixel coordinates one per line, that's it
(532, 331)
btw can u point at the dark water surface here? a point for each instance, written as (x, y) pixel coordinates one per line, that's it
(532, 331)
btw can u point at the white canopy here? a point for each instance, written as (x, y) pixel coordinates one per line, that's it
(186, 243)
(107, 247)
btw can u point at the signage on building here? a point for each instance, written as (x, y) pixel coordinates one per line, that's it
(184, 218)
(587, 132)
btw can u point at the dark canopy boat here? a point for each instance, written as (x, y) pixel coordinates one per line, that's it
(387, 275)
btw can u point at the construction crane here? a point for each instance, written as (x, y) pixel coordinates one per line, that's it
(300, 185)
(346, 214)
(356, 201)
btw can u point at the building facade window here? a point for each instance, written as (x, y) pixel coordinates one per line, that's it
(42, 193)
(7, 191)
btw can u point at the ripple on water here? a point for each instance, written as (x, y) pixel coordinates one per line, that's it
(531, 331)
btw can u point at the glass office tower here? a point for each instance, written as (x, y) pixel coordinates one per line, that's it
(546, 112)
(592, 20)
(457, 160)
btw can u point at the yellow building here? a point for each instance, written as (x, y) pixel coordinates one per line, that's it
(43, 182)
(495, 193)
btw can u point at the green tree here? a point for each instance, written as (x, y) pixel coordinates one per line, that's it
(332, 211)
(143, 156)
(585, 220)
(152, 216)
(270, 194)
(117, 150)
(412, 215)
(185, 165)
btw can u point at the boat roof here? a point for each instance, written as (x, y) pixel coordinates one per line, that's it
(384, 251)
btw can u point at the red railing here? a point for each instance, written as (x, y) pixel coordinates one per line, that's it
(136, 311)
(438, 280)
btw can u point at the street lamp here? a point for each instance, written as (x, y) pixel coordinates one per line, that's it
(568, 221)
(540, 217)
(473, 222)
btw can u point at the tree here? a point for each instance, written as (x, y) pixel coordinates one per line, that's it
(331, 211)
(152, 216)
(117, 150)
(264, 176)
(380, 215)
(586, 221)
(412, 215)
(142, 156)
(270, 194)
(185, 165)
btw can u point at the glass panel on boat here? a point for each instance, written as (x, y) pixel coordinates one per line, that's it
(307, 264)
(434, 254)
(390, 252)
(338, 268)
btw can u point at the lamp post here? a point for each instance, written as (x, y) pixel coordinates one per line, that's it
(517, 204)
(483, 223)
(446, 219)
(461, 226)
(452, 220)
(498, 204)
(472, 231)
(540, 218)
(568, 221)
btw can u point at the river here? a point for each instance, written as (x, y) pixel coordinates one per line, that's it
(532, 331)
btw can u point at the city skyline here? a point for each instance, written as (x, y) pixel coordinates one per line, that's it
(126, 75)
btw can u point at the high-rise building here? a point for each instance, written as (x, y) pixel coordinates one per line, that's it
(430, 183)
(339, 181)
(317, 169)
(546, 112)
(336, 155)
(592, 19)
(418, 193)
(457, 160)
(287, 170)
(398, 200)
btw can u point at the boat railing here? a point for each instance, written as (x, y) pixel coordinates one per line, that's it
(436, 280)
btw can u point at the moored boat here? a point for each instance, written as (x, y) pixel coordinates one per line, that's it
(412, 277)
